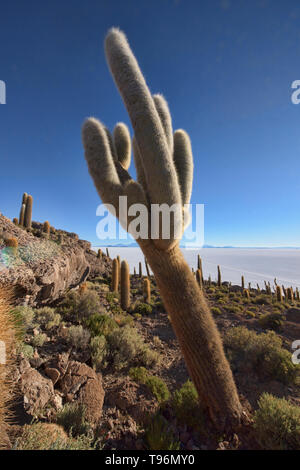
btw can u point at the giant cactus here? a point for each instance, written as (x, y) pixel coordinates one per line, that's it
(164, 165)
(28, 212)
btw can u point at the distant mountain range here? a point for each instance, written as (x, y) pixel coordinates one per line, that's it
(135, 245)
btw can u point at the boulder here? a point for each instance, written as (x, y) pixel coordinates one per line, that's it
(83, 384)
(37, 390)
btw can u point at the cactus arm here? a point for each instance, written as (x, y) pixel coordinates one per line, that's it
(145, 120)
(139, 164)
(183, 159)
(122, 144)
(100, 162)
(165, 117)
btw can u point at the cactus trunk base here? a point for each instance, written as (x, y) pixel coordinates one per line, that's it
(198, 337)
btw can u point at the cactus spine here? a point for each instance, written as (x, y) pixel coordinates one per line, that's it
(115, 276)
(147, 291)
(7, 344)
(125, 286)
(164, 172)
(219, 277)
(28, 212)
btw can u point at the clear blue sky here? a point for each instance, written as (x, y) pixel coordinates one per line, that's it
(226, 69)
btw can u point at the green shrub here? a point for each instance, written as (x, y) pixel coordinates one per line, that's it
(216, 311)
(158, 387)
(233, 308)
(23, 318)
(277, 424)
(47, 317)
(126, 347)
(263, 353)
(143, 309)
(138, 374)
(273, 321)
(159, 437)
(99, 352)
(78, 337)
(72, 418)
(100, 324)
(80, 305)
(26, 350)
(262, 300)
(38, 340)
(186, 406)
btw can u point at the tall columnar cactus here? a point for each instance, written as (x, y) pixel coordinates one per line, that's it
(134, 271)
(147, 268)
(243, 282)
(28, 212)
(200, 268)
(125, 286)
(199, 277)
(164, 166)
(140, 270)
(219, 277)
(46, 228)
(115, 276)
(7, 344)
(22, 215)
(107, 253)
(147, 290)
(278, 293)
(119, 264)
(99, 254)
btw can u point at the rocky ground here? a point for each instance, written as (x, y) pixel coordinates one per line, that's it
(89, 375)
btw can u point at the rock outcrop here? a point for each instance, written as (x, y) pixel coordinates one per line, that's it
(46, 267)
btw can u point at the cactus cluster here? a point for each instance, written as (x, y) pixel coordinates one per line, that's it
(25, 217)
(164, 167)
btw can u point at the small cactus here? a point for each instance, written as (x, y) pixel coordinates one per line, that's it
(46, 228)
(289, 292)
(278, 293)
(28, 212)
(99, 254)
(219, 277)
(12, 244)
(115, 276)
(147, 290)
(83, 288)
(125, 286)
(297, 294)
(247, 294)
(15, 221)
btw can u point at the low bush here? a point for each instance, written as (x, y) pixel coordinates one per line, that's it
(78, 337)
(156, 385)
(261, 352)
(186, 406)
(80, 306)
(127, 347)
(72, 419)
(143, 309)
(272, 321)
(158, 436)
(216, 311)
(47, 317)
(38, 340)
(277, 424)
(99, 352)
(100, 324)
